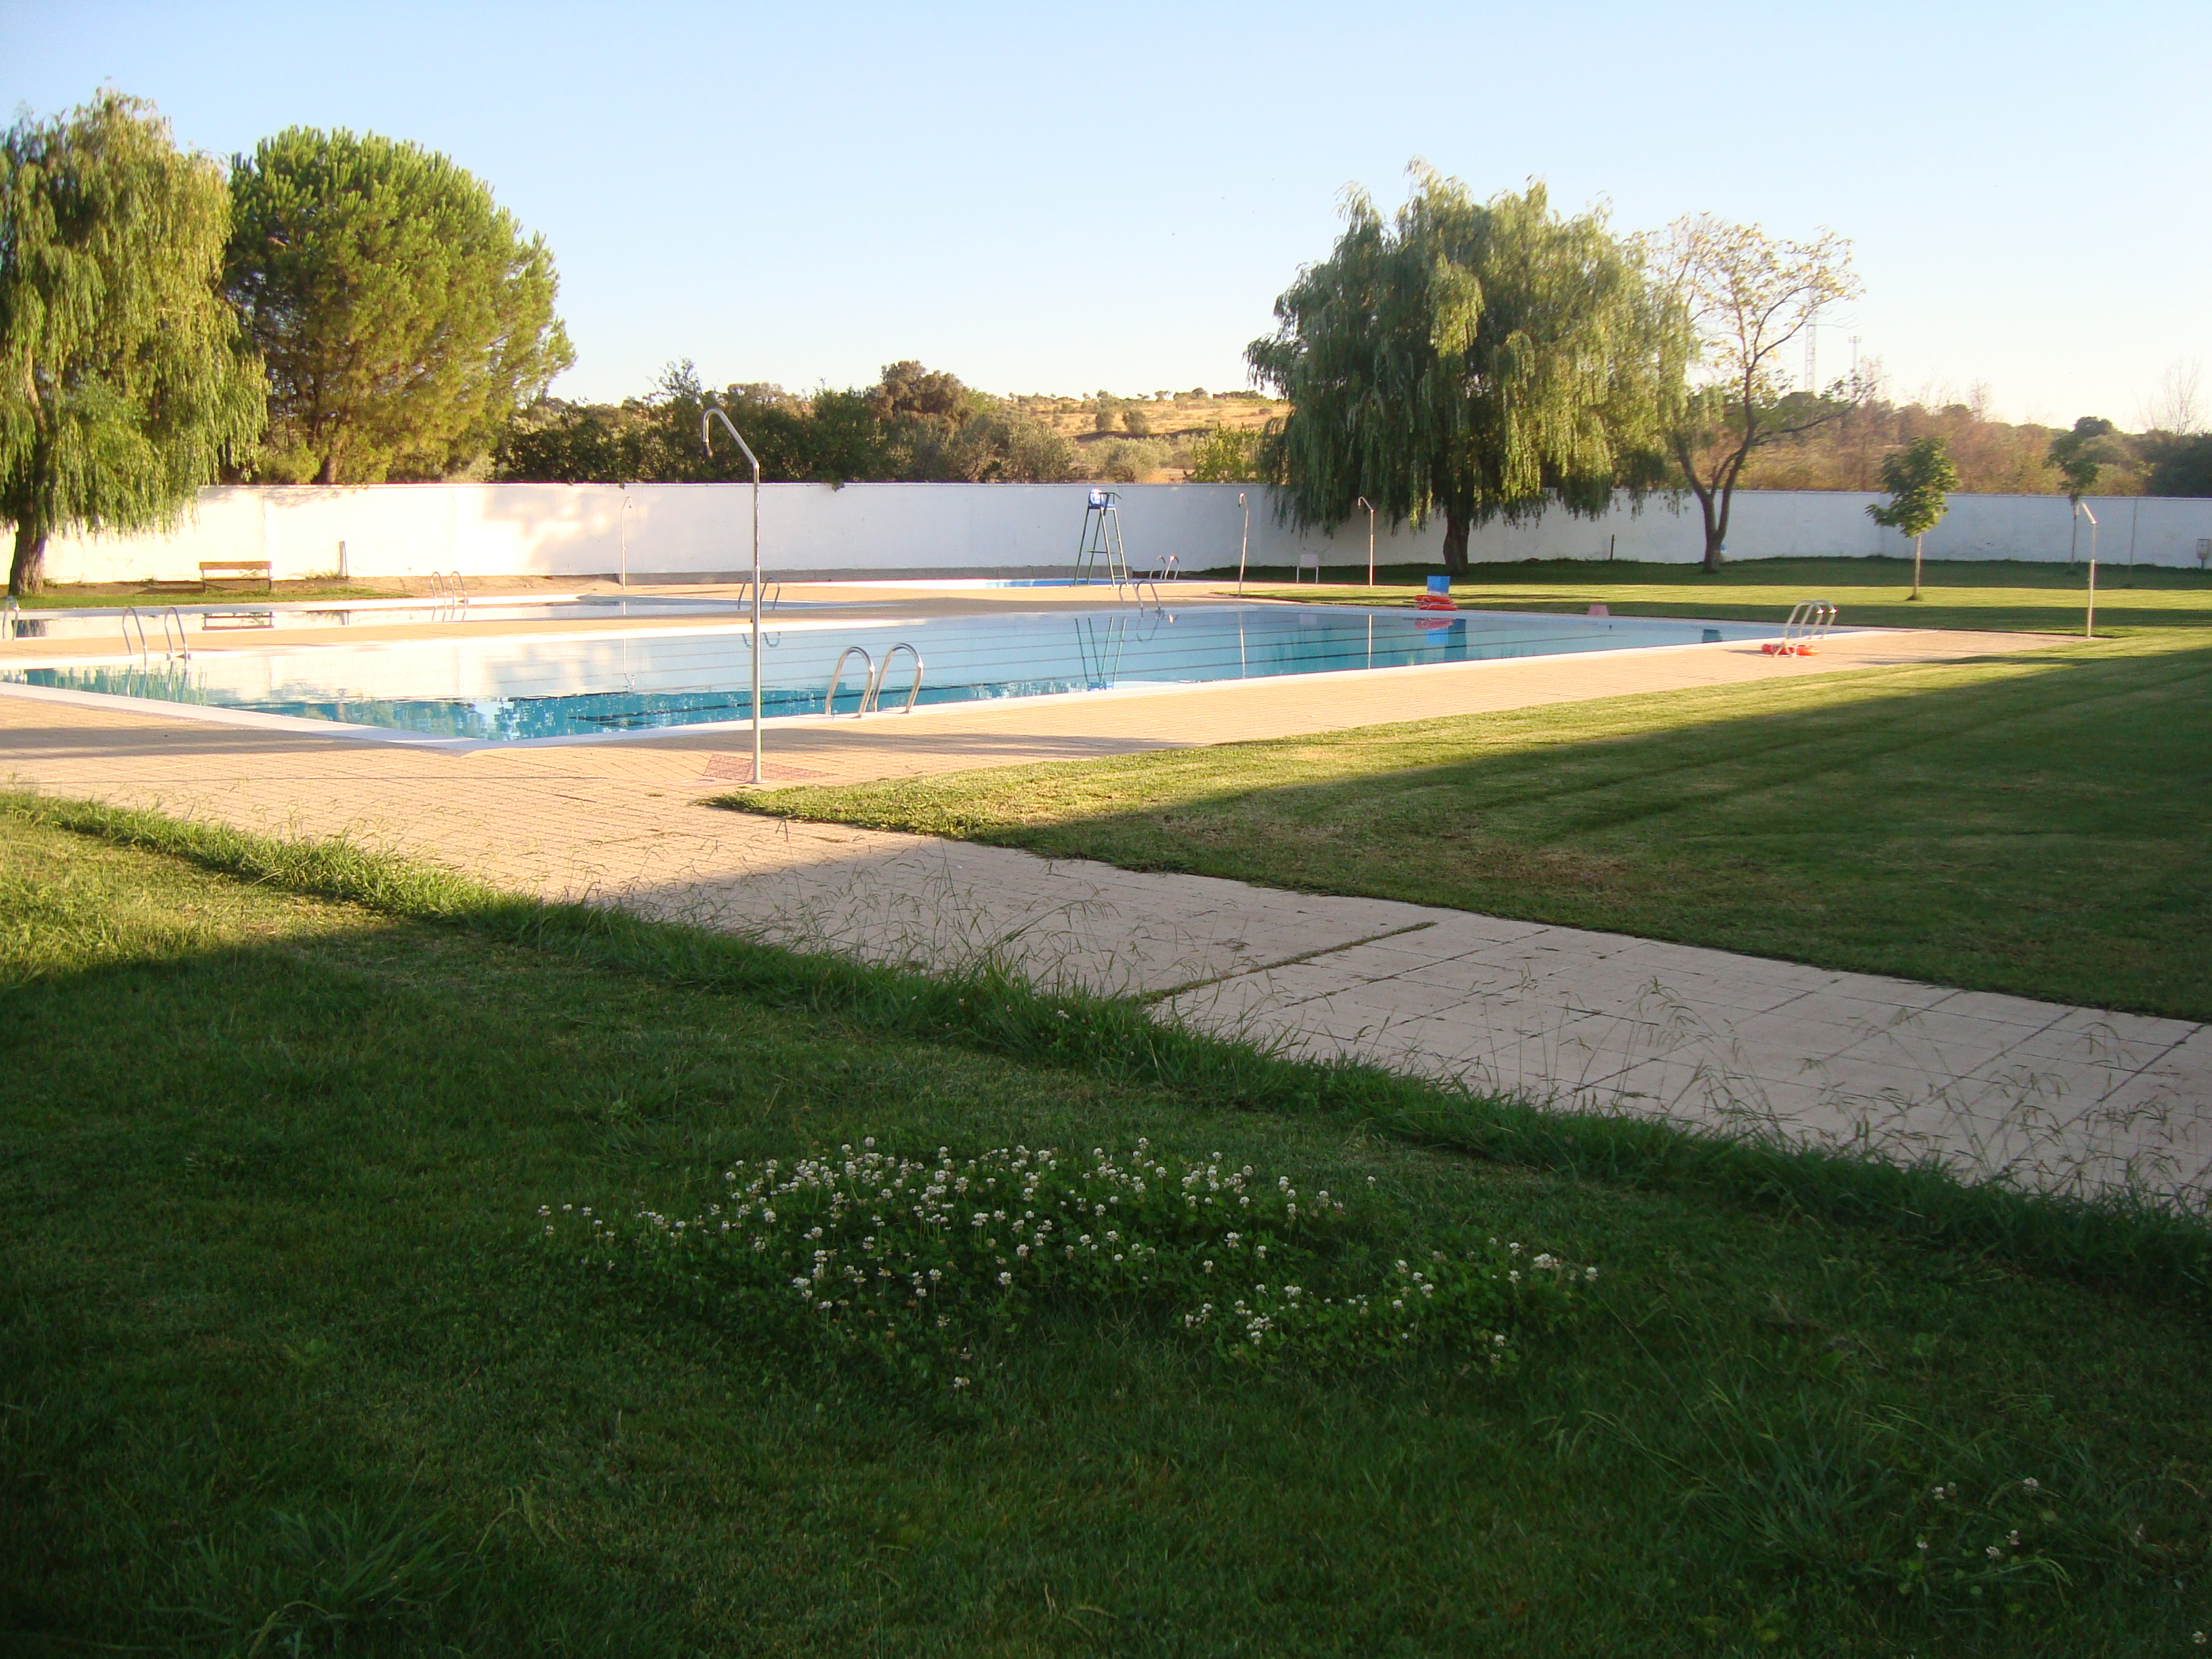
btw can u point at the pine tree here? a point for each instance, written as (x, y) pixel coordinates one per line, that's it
(122, 387)
(404, 315)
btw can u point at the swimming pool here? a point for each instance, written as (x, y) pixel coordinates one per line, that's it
(502, 690)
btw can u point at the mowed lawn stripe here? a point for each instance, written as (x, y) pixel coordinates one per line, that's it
(2030, 824)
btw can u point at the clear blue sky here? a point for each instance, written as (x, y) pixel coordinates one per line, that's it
(1064, 198)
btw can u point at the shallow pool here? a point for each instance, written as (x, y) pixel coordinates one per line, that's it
(491, 689)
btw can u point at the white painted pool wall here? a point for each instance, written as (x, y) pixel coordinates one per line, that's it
(883, 529)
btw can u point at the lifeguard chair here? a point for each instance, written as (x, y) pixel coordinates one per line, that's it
(1099, 556)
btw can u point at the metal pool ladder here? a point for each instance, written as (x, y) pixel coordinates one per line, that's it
(872, 674)
(1809, 624)
(173, 646)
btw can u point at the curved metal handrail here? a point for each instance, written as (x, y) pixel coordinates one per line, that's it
(867, 680)
(180, 649)
(11, 616)
(130, 615)
(872, 703)
(460, 591)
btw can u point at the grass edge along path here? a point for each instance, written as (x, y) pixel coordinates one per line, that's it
(1948, 823)
(2122, 1241)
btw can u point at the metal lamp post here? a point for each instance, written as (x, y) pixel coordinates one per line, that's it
(707, 444)
(1370, 541)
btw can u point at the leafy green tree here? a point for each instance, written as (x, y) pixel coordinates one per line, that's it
(1920, 479)
(2078, 456)
(914, 423)
(402, 314)
(1473, 360)
(1748, 295)
(2180, 464)
(1227, 455)
(121, 384)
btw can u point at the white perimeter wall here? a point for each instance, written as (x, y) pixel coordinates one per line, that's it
(886, 529)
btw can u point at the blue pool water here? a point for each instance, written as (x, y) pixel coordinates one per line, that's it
(498, 689)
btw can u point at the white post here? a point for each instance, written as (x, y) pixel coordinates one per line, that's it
(622, 520)
(1371, 542)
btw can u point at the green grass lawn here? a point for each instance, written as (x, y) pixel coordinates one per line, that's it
(2006, 595)
(286, 1365)
(2030, 823)
(146, 595)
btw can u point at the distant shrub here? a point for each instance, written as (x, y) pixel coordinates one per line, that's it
(1136, 422)
(1226, 456)
(1128, 460)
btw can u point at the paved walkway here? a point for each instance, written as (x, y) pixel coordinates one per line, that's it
(2042, 1092)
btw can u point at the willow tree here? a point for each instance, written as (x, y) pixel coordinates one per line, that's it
(404, 315)
(1470, 361)
(121, 385)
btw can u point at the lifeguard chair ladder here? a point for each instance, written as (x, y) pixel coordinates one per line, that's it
(1100, 556)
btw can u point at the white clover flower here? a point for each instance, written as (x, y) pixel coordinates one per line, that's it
(1005, 1278)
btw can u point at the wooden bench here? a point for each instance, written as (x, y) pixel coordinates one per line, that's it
(236, 570)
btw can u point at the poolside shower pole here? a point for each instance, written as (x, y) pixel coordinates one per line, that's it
(1243, 543)
(1371, 542)
(2089, 622)
(707, 443)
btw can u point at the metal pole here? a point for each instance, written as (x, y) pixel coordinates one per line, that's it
(1371, 542)
(1243, 546)
(706, 443)
(2089, 622)
(624, 580)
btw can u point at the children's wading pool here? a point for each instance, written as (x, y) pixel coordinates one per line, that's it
(499, 689)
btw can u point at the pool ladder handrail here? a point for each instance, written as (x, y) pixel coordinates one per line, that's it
(446, 587)
(1809, 624)
(872, 675)
(11, 616)
(874, 704)
(173, 646)
(771, 591)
